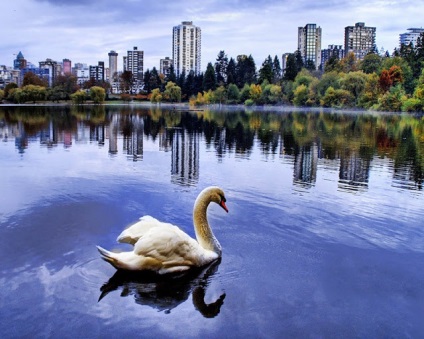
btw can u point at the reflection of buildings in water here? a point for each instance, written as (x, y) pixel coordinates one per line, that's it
(113, 134)
(48, 136)
(406, 176)
(165, 141)
(185, 157)
(306, 165)
(354, 171)
(83, 133)
(97, 133)
(133, 137)
(220, 142)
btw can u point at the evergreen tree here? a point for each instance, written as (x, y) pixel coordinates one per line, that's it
(266, 71)
(299, 60)
(221, 65)
(231, 72)
(146, 81)
(209, 80)
(245, 70)
(290, 71)
(172, 76)
(155, 81)
(276, 71)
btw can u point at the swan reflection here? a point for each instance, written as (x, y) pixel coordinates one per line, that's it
(165, 292)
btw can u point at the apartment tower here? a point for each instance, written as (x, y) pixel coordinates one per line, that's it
(133, 62)
(359, 40)
(309, 44)
(186, 48)
(411, 36)
(113, 65)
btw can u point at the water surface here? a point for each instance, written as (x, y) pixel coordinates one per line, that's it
(324, 238)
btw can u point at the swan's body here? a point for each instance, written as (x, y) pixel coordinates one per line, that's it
(163, 247)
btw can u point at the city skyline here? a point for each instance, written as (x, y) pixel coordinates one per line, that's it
(62, 29)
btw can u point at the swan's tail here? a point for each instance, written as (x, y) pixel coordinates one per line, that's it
(109, 257)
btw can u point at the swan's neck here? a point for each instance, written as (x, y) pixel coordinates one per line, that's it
(204, 233)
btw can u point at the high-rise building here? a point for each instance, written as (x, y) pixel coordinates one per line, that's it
(67, 66)
(359, 39)
(133, 62)
(332, 50)
(165, 65)
(113, 65)
(97, 73)
(309, 44)
(50, 68)
(20, 62)
(411, 36)
(186, 48)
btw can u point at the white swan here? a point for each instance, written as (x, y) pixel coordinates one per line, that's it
(163, 247)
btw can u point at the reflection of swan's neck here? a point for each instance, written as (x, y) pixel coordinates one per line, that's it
(204, 233)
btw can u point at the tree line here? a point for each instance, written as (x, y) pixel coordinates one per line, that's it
(387, 83)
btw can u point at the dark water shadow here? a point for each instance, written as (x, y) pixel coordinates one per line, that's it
(165, 292)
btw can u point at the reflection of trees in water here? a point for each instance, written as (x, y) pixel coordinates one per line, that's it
(166, 292)
(352, 139)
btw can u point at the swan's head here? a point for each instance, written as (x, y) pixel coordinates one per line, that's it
(216, 195)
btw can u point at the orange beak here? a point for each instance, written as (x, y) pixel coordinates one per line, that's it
(222, 204)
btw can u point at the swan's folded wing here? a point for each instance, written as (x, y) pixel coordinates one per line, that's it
(173, 248)
(135, 231)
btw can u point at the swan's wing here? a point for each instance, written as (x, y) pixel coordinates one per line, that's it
(135, 231)
(172, 248)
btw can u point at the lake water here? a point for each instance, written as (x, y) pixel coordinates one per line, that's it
(324, 237)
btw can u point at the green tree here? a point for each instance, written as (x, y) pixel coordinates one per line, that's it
(34, 93)
(78, 97)
(220, 95)
(171, 76)
(231, 72)
(245, 70)
(300, 95)
(276, 71)
(8, 88)
(371, 63)
(233, 94)
(392, 100)
(221, 66)
(97, 94)
(290, 71)
(265, 72)
(209, 80)
(172, 92)
(156, 96)
(354, 83)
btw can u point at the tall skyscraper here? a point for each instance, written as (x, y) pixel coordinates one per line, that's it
(186, 48)
(359, 39)
(411, 36)
(113, 65)
(309, 44)
(133, 62)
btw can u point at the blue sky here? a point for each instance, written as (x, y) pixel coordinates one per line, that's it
(86, 30)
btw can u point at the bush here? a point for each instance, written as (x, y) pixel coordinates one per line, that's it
(300, 95)
(249, 102)
(78, 97)
(412, 105)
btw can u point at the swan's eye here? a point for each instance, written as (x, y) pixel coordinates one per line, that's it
(222, 198)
